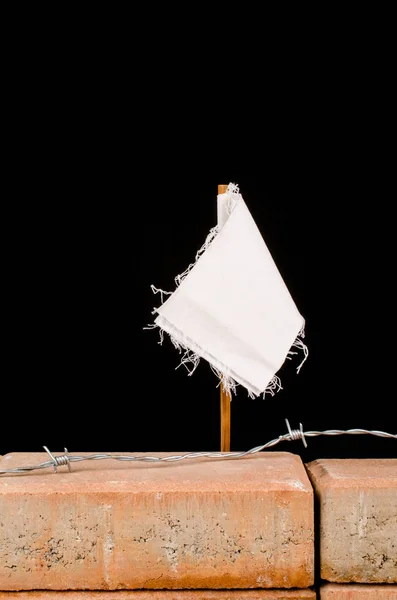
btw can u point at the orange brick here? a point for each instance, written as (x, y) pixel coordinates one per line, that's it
(245, 523)
(165, 595)
(337, 591)
(358, 519)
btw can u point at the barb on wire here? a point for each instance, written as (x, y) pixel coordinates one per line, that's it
(291, 436)
(58, 461)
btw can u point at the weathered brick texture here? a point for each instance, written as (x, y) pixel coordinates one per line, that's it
(358, 519)
(244, 523)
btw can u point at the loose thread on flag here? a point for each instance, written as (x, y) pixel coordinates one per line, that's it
(299, 343)
(208, 241)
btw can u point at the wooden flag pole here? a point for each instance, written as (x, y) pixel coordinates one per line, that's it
(225, 396)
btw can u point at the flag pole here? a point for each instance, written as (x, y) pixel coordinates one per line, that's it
(225, 396)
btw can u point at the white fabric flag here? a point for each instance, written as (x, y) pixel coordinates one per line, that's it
(232, 307)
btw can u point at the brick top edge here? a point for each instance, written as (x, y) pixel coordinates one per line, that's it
(264, 471)
(343, 472)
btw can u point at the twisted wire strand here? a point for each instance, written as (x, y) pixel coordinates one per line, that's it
(292, 435)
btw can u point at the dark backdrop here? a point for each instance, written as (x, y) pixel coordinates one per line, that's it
(114, 140)
(101, 224)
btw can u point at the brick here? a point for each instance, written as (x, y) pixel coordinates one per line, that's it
(165, 595)
(358, 519)
(340, 591)
(245, 523)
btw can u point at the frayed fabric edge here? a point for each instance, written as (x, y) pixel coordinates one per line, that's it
(234, 197)
(192, 353)
(300, 345)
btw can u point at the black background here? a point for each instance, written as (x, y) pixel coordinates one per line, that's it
(110, 190)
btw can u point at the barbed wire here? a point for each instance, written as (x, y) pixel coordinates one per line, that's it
(293, 435)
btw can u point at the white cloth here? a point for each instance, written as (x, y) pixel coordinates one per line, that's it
(232, 306)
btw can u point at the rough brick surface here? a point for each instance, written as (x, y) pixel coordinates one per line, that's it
(165, 595)
(245, 523)
(340, 591)
(358, 519)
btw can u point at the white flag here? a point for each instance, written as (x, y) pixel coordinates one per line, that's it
(232, 306)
